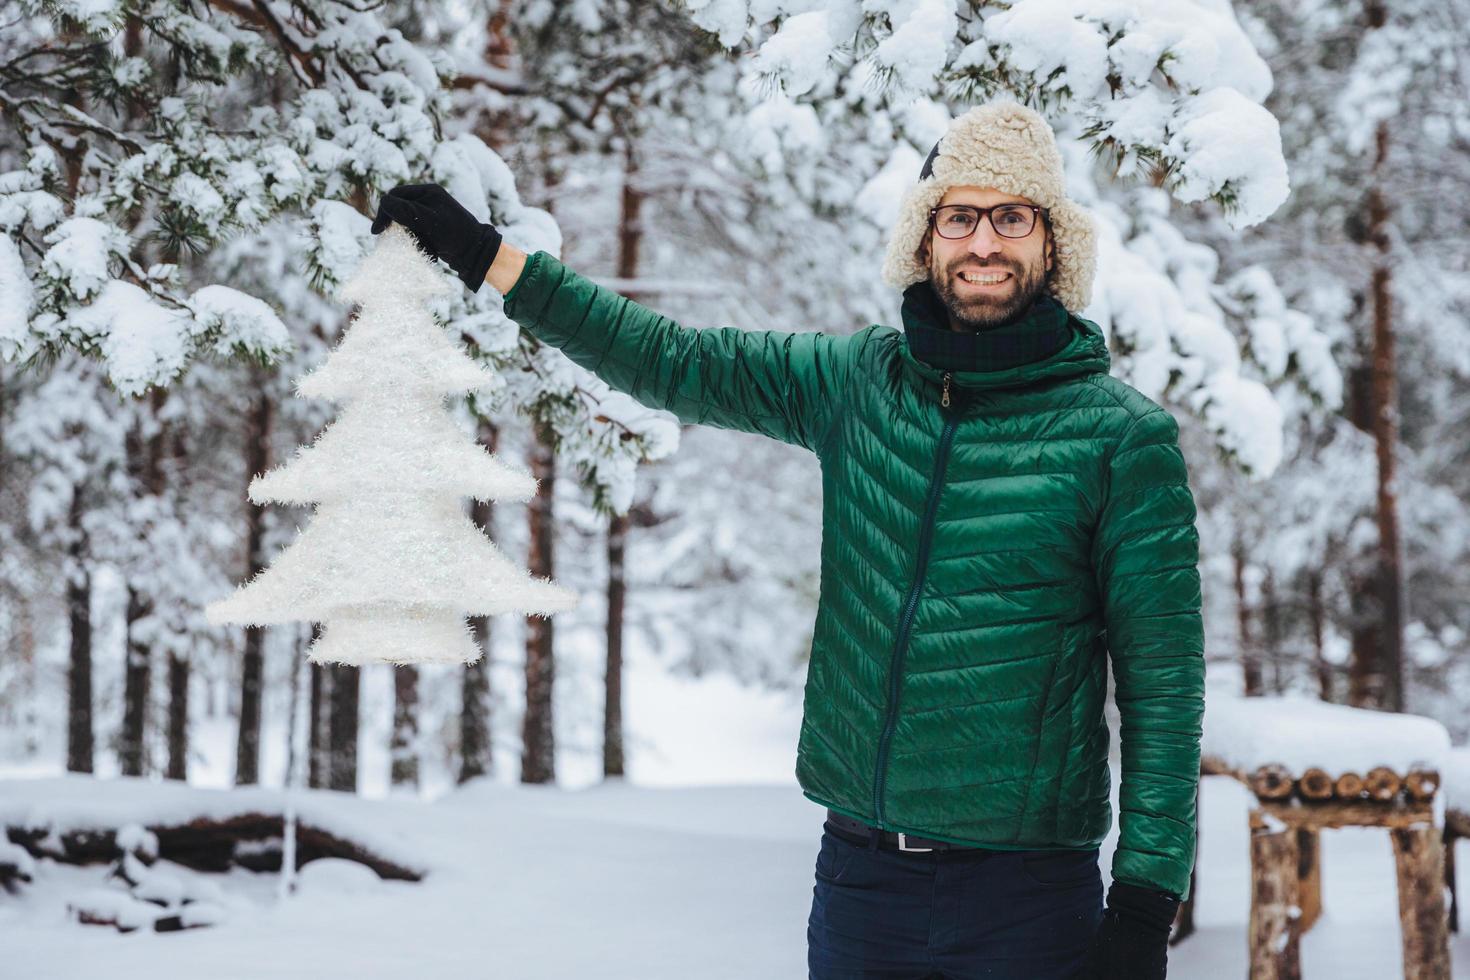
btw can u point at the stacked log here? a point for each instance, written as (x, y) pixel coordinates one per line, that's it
(1348, 786)
(1272, 782)
(1382, 784)
(1314, 784)
(1276, 783)
(1421, 785)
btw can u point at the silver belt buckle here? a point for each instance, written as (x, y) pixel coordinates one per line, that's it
(903, 844)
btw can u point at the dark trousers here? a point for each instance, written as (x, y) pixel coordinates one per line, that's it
(1001, 915)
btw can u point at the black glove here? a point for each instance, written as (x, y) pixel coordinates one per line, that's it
(1133, 941)
(443, 228)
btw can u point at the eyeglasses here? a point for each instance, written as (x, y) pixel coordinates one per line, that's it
(1008, 220)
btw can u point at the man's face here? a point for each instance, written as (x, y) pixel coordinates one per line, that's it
(1025, 264)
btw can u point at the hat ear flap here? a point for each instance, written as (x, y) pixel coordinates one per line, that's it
(901, 265)
(1074, 263)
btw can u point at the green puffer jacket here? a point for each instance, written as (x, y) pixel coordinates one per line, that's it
(980, 563)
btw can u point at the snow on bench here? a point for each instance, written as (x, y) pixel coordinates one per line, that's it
(1298, 745)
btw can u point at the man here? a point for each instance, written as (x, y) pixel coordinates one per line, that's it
(1000, 518)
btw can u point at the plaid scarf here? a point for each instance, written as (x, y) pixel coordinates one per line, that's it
(1034, 336)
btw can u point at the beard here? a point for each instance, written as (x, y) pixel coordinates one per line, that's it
(986, 310)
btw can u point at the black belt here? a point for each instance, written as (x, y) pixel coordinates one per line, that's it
(860, 833)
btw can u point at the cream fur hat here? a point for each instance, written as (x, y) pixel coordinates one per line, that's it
(1009, 147)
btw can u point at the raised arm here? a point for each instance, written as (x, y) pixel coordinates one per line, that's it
(784, 385)
(1146, 554)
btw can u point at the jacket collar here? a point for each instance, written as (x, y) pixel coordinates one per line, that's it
(1047, 342)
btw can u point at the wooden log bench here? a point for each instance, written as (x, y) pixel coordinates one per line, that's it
(1286, 858)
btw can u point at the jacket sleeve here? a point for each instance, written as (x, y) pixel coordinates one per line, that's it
(1146, 554)
(784, 385)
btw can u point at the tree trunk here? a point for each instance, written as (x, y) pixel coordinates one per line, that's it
(136, 681)
(178, 717)
(252, 666)
(343, 737)
(317, 761)
(1382, 684)
(1250, 659)
(1365, 658)
(1317, 615)
(474, 714)
(630, 237)
(145, 465)
(612, 729)
(538, 742)
(79, 742)
(1271, 631)
(404, 747)
(247, 741)
(179, 664)
(475, 758)
(1385, 437)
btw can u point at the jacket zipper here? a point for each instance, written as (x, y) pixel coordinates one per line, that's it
(901, 644)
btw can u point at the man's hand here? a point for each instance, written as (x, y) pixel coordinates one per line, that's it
(443, 228)
(1133, 941)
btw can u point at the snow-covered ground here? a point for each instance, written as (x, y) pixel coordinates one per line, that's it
(649, 879)
(615, 882)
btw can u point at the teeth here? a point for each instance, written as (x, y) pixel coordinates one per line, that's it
(988, 279)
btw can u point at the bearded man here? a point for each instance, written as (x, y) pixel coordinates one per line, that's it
(1001, 520)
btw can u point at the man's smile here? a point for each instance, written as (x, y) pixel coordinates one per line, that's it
(983, 279)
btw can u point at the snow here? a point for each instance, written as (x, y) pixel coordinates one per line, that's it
(617, 881)
(134, 838)
(93, 16)
(17, 857)
(1246, 419)
(15, 299)
(22, 201)
(191, 192)
(114, 906)
(1299, 732)
(727, 18)
(1051, 37)
(1226, 141)
(242, 322)
(81, 249)
(797, 53)
(882, 196)
(342, 234)
(143, 342)
(918, 48)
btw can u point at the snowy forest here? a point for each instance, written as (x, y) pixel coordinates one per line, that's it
(187, 188)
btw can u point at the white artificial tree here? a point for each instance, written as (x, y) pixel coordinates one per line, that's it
(391, 564)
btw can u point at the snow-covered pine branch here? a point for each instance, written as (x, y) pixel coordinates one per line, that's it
(1172, 86)
(1220, 344)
